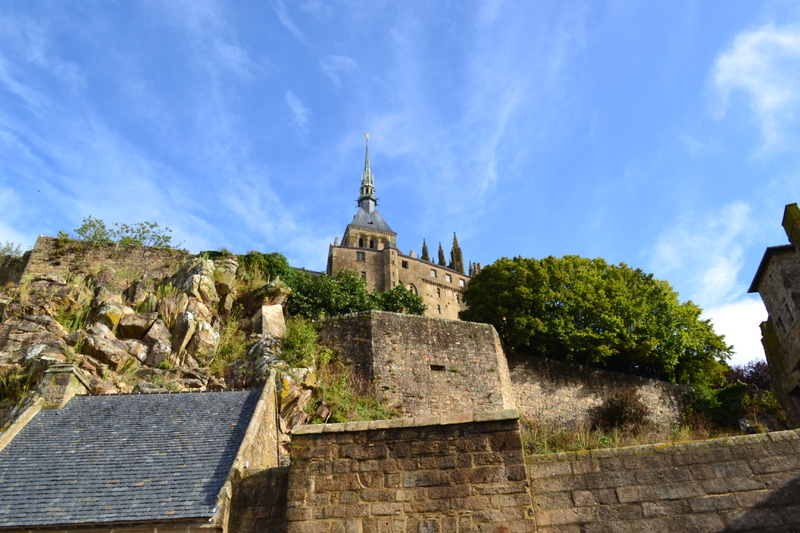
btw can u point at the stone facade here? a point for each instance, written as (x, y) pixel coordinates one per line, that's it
(424, 366)
(745, 483)
(457, 473)
(777, 281)
(564, 395)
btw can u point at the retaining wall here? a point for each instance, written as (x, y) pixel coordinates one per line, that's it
(454, 473)
(425, 366)
(746, 483)
(565, 394)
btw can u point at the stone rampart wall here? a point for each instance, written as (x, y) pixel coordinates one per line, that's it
(564, 394)
(62, 256)
(425, 366)
(11, 269)
(456, 473)
(746, 483)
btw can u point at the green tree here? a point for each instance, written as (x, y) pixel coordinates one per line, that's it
(441, 256)
(10, 249)
(425, 256)
(141, 233)
(271, 265)
(318, 295)
(590, 312)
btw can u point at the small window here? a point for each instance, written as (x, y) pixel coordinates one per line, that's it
(371, 243)
(437, 368)
(363, 275)
(438, 292)
(449, 278)
(361, 256)
(461, 283)
(433, 273)
(360, 242)
(458, 299)
(413, 289)
(439, 309)
(405, 264)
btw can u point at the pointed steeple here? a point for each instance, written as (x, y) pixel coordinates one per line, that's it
(367, 184)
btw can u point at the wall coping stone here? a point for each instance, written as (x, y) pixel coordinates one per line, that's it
(420, 421)
(653, 449)
(377, 312)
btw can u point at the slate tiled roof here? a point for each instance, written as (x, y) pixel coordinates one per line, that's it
(123, 458)
(373, 220)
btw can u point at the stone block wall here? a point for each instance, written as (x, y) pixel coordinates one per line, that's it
(745, 483)
(425, 366)
(446, 474)
(61, 256)
(259, 502)
(565, 394)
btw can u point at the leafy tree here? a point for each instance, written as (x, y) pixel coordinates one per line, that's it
(271, 265)
(315, 296)
(141, 233)
(10, 249)
(590, 312)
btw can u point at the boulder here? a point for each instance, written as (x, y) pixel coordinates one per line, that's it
(137, 348)
(101, 330)
(224, 275)
(158, 353)
(19, 336)
(110, 313)
(204, 343)
(135, 325)
(47, 322)
(199, 309)
(196, 278)
(112, 352)
(51, 278)
(182, 331)
(265, 355)
(157, 332)
(226, 304)
(148, 388)
(269, 320)
(101, 386)
(136, 293)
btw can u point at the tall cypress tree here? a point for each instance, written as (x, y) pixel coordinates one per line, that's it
(456, 257)
(441, 256)
(425, 256)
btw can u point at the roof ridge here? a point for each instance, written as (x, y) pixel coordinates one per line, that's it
(155, 393)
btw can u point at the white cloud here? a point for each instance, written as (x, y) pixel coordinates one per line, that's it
(301, 113)
(764, 64)
(288, 23)
(739, 322)
(332, 66)
(320, 10)
(704, 256)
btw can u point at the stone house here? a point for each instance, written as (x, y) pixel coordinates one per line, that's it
(369, 246)
(777, 281)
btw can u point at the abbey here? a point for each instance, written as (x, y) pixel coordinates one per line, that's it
(369, 246)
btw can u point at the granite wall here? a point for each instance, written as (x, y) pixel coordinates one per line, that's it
(454, 473)
(564, 394)
(424, 366)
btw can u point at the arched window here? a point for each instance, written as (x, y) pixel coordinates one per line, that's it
(361, 242)
(413, 289)
(371, 243)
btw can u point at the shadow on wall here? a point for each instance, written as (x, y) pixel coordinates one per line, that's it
(778, 512)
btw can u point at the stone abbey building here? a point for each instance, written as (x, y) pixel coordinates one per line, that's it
(369, 246)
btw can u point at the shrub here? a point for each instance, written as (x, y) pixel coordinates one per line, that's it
(623, 410)
(299, 346)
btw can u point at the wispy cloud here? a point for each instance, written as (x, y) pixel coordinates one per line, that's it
(764, 65)
(333, 66)
(287, 22)
(706, 255)
(320, 10)
(300, 113)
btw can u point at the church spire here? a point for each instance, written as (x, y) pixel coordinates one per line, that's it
(367, 179)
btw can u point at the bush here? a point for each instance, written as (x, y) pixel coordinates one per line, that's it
(141, 233)
(299, 347)
(623, 410)
(10, 249)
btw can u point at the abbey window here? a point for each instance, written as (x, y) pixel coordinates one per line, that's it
(361, 256)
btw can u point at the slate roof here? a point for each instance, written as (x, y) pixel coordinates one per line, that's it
(123, 458)
(373, 219)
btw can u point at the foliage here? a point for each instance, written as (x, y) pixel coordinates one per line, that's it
(10, 249)
(622, 410)
(141, 233)
(347, 395)
(315, 296)
(16, 384)
(753, 373)
(232, 341)
(441, 260)
(736, 406)
(425, 256)
(590, 312)
(267, 266)
(299, 345)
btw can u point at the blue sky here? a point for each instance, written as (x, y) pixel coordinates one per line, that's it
(659, 134)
